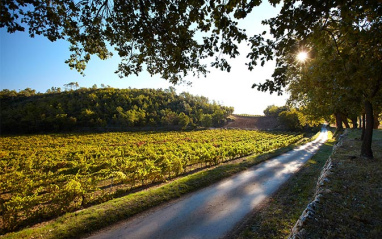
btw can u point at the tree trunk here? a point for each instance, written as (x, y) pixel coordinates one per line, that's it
(345, 120)
(376, 121)
(366, 151)
(360, 121)
(339, 121)
(354, 122)
(363, 125)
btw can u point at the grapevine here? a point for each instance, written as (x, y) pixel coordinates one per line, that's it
(44, 176)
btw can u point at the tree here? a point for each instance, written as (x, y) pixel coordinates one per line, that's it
(27, 92)
(157, 35)
(72, 85)
(169, 117)
(346, 31)
(131, 117)
(184, 120)
(218, 117)
(274, 111)
(171, 38)
(206, 120)
(321, 93)
(291, 119)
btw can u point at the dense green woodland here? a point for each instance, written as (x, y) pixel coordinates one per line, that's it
(27, 111)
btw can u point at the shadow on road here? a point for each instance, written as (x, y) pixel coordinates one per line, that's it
(214, 211)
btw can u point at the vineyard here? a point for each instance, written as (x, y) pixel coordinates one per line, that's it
(43, 176)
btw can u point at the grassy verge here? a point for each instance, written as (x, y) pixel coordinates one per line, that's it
(275, 217)
(352, 206)
(80, 223)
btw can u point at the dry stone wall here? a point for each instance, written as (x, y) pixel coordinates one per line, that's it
(298, 231)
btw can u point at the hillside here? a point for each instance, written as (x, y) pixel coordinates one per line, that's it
(252, 122)
(106, 108)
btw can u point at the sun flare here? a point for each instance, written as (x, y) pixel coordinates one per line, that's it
(302, 56)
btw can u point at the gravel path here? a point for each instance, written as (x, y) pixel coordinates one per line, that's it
(214, 211)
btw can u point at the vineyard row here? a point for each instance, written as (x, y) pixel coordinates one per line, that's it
(43, 176)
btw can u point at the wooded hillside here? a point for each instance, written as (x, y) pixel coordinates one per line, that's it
(27, 112)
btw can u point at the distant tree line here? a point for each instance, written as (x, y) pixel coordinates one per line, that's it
(298, 119)
(27, 111)
(291, 118)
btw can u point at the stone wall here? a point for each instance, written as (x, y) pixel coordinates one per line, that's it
(298, 230)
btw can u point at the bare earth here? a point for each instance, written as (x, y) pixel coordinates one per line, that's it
(214, 211)
(255, 123)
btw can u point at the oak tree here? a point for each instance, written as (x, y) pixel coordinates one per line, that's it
(345, 36)
(166, 37)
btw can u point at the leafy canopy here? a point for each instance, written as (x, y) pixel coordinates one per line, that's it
(351, 28)
(164, 36)
(172, 38)
(344, 39)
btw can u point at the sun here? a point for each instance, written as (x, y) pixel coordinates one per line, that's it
(302, 56)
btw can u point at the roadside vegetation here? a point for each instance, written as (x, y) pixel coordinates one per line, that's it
(352, 206)
(351, 209)
(275, 217)
(79, 223)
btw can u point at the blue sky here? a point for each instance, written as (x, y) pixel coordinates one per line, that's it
(40, 64)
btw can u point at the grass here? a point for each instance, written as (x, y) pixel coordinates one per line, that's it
(277, 215)
(353, 206)
(350, 208)
(80, 223)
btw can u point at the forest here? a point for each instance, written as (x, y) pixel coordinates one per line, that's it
(106, 108)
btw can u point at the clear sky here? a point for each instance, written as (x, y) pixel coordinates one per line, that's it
(39, 64)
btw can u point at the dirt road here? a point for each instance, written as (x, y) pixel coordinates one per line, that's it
(214, 211)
